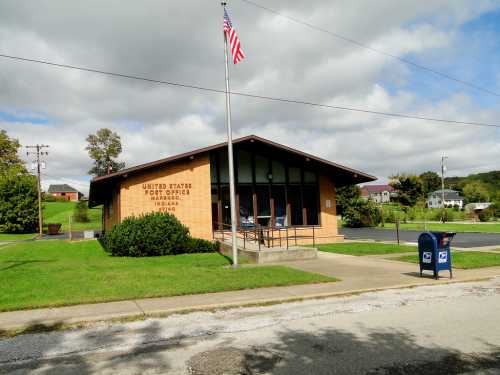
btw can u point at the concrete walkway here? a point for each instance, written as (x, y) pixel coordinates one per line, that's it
(357, 274)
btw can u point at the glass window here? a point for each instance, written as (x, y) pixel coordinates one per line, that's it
(279, 198)
(224, 170)
(309, 177)
(226, 210)
(213, 168)
(294, 175)
(263, 200)
(261, 169)
(311, 204)
(245, 197)
(278, 172)
(295, 205)
(244, 167)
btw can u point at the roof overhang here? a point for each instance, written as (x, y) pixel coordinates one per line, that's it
(100, 187)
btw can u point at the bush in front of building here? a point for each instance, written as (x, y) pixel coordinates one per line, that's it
(198, 245)
(485, 215)
(361, 213)
(153, 234)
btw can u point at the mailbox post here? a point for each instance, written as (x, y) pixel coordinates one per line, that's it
(434, 252)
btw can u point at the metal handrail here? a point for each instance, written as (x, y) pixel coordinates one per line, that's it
(267, 236)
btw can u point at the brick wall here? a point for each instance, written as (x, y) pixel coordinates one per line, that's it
(181, 188)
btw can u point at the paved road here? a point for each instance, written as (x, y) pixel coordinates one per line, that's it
(460, 240)
(441, 329)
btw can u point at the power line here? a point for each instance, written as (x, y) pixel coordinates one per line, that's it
(253, 96)
(376, 50)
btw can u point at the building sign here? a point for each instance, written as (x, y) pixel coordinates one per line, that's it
(167, 197)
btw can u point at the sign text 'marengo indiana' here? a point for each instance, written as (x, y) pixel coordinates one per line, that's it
(166, 197)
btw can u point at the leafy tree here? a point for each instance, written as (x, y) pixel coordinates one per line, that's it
(362, 213)
(430, 182)
(476, 192)
(409, 188)
(18, 201)
(8, 153)
(345, 196)
(104, 147)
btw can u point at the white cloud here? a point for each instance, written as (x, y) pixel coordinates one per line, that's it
(166, 41)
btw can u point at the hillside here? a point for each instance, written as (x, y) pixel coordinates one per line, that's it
(491, 179)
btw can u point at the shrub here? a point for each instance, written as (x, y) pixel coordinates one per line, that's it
(153, 234)
(198, 245)
(361, 213)
(485, 215)
(81, 214)
(18, 202)
(50, 198)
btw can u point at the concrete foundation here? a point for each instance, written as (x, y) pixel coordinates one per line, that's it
(272, 255)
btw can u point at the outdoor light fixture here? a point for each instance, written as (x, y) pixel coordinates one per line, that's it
(270, 176)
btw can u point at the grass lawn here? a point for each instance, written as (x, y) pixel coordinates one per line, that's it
(16, 237)
(449, 227)
(54, 273)
(465, 259)
(59, 212)
(365, 248)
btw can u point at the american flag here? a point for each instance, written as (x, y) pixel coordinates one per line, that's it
(234, 41)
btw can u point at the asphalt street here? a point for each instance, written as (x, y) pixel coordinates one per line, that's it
(440, 329)
(460, 240)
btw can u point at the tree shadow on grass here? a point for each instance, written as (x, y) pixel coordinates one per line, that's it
(19, 263)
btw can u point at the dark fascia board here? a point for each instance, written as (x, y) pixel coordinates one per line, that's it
(361, 176)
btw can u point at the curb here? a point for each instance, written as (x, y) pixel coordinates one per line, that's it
(51, 325)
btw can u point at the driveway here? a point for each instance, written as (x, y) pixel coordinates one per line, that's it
(464, 240)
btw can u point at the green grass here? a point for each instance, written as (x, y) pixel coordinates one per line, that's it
(59, 212)
(16, 237)
(54, 273)
(465, 259)
(449, 227)
(365, 248)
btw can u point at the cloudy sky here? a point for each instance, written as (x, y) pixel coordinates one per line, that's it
(182, 42)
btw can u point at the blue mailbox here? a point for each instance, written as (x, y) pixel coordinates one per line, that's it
(434, 252)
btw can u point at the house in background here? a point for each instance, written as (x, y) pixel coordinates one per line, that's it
(451, 199)
(378, 193)
(66, 191)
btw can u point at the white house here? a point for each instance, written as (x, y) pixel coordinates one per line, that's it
(451, 199)
(378, 193)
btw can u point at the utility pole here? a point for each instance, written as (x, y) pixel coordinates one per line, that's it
(38, 153)
(443, 169)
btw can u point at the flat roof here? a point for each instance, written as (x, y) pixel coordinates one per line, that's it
(351, 176)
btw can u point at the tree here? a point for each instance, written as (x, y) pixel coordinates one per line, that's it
(430, 182)
(103, 147)
(345, 196)
(476, 191)
(18, 201)
(8, 153)
(409, 188)
(362, 213)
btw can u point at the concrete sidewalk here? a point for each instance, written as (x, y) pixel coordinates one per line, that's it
(357, 274)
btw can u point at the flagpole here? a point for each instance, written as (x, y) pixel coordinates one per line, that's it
(232, 193)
